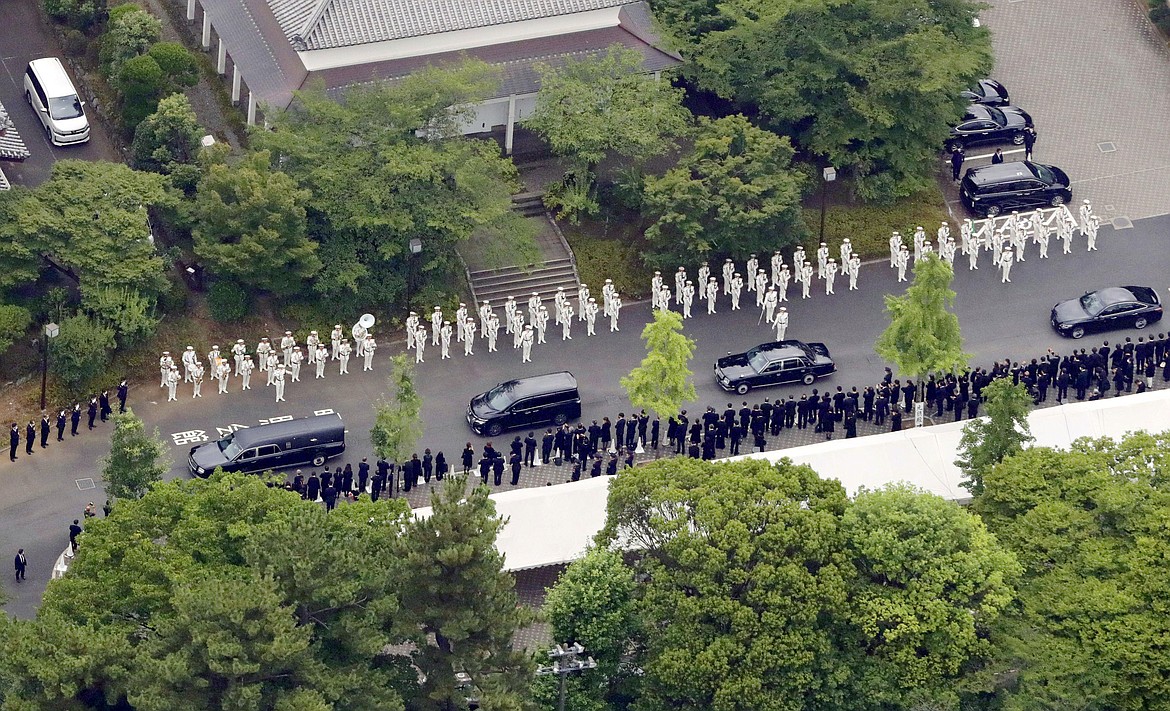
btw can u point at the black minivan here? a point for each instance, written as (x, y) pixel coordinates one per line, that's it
(309, 440)
(1021, 185)
(526, 401)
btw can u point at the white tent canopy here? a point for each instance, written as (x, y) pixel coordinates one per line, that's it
(555, 524)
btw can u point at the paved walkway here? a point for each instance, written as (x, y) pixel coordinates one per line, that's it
(1095, 76)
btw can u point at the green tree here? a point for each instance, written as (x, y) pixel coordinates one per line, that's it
(1089, 526)
(662, 382)
(129, 33)
(589, 108)
(217, 593)
(88, 222)
(18, 253)
(136, 460)
(14, 323)
(130, 314)
(734, 193)
(140, 82)
(870, 86)
(81, 350)
(167, 137)
(78, 14)
(250, 225)
(1003, 432)
(398, 423)
(923, 336)
(459, 607)
(177, 63)
(376, 185)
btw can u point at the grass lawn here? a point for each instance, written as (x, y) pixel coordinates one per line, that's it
(868, 227)
(610, 249)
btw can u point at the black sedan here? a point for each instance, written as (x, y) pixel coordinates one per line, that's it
(988, 92)
(772, 364)
(1106, 310)
(989, 124)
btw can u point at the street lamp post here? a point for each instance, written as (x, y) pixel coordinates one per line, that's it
(566, 660)
(51, 331)
(829, 174)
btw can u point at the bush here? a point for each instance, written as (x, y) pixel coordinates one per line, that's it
(177, 63)
(14, 322)
(613, 256)
(228, 301)
(1160, 16)
(82, 350)
(130, 314)
(79, 14)
(140, 82)
(167, 138)
(130, 32)
(868, 226)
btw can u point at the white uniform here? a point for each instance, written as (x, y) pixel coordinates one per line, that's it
(613, 314)
(736, 290)
(278, 377)
(895, 247)
(311, 344)
(213, 359)
(582, 299)
(445, 340)
(782, 285)
(526, 344)
(367, 352)
(222, 373)
(359, 340)
(798, 260)
(172, 383)
(197, 381)
(761, 286)
(1005, 265)
(559, 301)
(769, 305)
(806, 274)
(704, 273)
(781, 323)
(460, 321)
(822, 259)
(680, 280)
(1089, 230)
(411, 326)
(270, 363)
(491, 331)
(712, 292)
(567, 322)
(591, 316)
(238, 352)
(655, 293)
(343, 352)
(263, 350)
(534, 304)
(189, 360)
(287, 344)
(336, 333)
(750, 269)
(846, 251)
(246, 369)
(919, 239)
(294, 364)
(517, 329)
(322, 358)
(688, 298)
(420, 342)
(854, 268)
(509, 314)
(164, 368)
(468, 336)
(728, 275)
(777, 262)
(541, 324)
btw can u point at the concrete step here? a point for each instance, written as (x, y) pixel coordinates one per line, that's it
(547, 291)
(515, 270)
(536, 281)
(497, 276)
(528, 204)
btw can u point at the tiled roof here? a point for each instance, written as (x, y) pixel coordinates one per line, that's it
(270, 66)
(325, 24)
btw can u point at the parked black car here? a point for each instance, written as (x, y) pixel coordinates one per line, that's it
(989, 124)
(524, 402)
(1021, 185)
(772, 364)
(1106, 310)
(988, 92)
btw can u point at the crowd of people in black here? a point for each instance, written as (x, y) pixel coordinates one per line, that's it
(605, 446)
(99, 406)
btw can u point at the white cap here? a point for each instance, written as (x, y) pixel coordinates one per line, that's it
(190, 348)
(240, 340)
(215, 348)
(783, 308)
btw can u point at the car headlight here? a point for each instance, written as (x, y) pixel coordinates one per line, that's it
(201, 470)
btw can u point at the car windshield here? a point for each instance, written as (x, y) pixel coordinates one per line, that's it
(1044, 173)
(1092, 303)
(500, 397)
(65, 107)
(229, 447)
(757, 360)
(997, 116)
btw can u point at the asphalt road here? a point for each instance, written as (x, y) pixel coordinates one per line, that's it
(41, 494)
(27, 39)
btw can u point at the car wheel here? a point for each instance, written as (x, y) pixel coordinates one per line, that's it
(1140, 322)
(1056, 201)
(742, 388)
(991, 211)
(494, 430)
(1018, 139)
(808, 379)
(318, 460)
(1077, 332)
(560, 419)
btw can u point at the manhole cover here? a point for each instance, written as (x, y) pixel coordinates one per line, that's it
(1110, 208)
(1106, 147)
(1122, 223)
(85, 484)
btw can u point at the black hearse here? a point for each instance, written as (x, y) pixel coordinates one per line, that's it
(525, 402)
(309, 440)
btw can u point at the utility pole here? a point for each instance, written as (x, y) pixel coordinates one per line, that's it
(566, 660)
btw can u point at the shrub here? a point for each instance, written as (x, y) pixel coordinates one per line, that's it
(1160, 16)
(140, 82)
(177, 63)
(168, 137)
(130, 314)
(228, 301)
(79, 14)
(130, 33)
(81, 350)
(14, 322)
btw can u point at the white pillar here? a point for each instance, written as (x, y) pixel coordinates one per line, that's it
(251, 107)
(221, 60)
(235, 84)
(190, 10)
(510, 130)
(206, 30)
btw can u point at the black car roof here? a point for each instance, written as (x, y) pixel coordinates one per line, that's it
(1001, 172)
(540, 384)
(1115, 295)
(329, 425)
(977, 111)
(782, 349)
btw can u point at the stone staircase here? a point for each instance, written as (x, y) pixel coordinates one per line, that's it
(528, 204)
(496, 285)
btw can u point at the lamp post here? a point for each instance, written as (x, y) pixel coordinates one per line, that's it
(566, 660)
(416, 246)
(51, 331)
(829, 174)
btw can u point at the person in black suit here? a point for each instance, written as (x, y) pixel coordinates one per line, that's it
(21, 563)
(74, 532)
(363, 475)
(92, 411)
(440, 466)
(312, 488)
(530, 449)
(546, 446)
(104, 404)
(30, 434)
(74, 419)
(514, 461)
(485, 468)
(62, 418)
(14, 441)
(498, 470)
(330, 496)
(123, 390)
(45, 429)
(468, 458)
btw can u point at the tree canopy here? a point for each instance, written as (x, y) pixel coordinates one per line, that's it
(662, 383)
(923, 336)
(733, 193)
(869, 85)
(377, 181)
(136, 460)
(1003, 432)
(398, 423)
(764, 587)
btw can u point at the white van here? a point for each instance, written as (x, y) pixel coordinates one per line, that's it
(51, 95)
